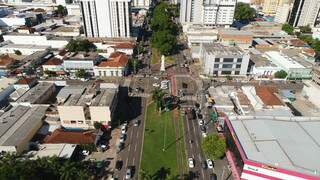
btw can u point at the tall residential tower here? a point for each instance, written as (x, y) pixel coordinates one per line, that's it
(106, 18)
(304, 12)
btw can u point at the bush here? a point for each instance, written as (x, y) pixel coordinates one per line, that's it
(214, 146)
(288, 28)
(17, 52)
(280, 74)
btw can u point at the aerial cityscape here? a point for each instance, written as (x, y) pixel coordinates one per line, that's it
(160, 89)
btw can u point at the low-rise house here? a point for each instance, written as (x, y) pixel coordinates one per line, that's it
(115, 65)
(6, 88)
(93, 103)
(81, 60)
(220, 60)
(242, 39)
(25, 83)
(54, 64)
(5, 63)
(293, 68)
(61, 150)
(24, 49)
(18, 126)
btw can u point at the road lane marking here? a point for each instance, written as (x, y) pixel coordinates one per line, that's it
(129, 147)
(202, 173)
(133, 160)
(135, 148)
(127, 162)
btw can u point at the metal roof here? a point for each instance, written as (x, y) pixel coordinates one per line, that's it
(291, 143)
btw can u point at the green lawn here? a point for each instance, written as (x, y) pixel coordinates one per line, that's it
(155, 56)
(159, 130)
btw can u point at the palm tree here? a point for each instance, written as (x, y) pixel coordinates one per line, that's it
(157, 96)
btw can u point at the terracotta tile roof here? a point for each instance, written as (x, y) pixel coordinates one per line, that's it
(297, 43)
(124, 46)
(25, 80)
(267, 95)
(5, 60)
(72, 137)
(53, 61)
(116, 59)
(309, 51)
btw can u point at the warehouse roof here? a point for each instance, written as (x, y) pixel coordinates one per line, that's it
(286, 142)
(17, 122)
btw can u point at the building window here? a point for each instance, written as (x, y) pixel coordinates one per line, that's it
(73, 122)
(99, 73)
(111, 73)
(225, 72)
(217, 60)
(227, 60)
(216, 66)
(238, 66)
(104, 73)
(237, 72)
(239, 60)
(227, 66)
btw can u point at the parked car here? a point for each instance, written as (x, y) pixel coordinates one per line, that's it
(204, 134)
(136, 123)
(122, 138)
(204, 165)
(120, 147)
(201, 123)
(203, 129)
(191, 162)
(128, 173)
(119, 164)
(213, 177)
(123, 129)
(200, 116)
(85, 152)
(156, 85)
(210, 163)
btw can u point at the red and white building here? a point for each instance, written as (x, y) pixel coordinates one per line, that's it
(273, 147)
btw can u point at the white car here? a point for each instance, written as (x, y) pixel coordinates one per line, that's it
(156, 85)
(128, 174)
(201, 123)
(210, 163)
(123, 129)
(164, 87)
(122, 138)
(85, 152)
(156, 78)
(191, 162)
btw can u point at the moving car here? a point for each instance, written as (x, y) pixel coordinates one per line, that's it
(210, 163)
(191, 162)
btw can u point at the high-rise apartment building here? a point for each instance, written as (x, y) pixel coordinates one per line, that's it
(304, 12)
(207, 12)
(106, 18)
(141, 3)
(282, 13)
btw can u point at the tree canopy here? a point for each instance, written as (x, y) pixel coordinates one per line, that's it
(287, 28)
(80, 45)
(244, 12)
(305, 29)
(158, 96)
(214, 146)
(280, 74)
(164, 29)
(13, 166)
(81, 73)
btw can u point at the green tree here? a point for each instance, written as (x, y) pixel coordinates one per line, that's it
(17, 52)
(81, 73)
(164, 42)
(287, 28)
(158, 96)
(97, 125)
(80, 45)
(280, 74)
(134, 64)
(244, 12)
(214, 146)
(145, 175)
(61, 10)
(305, 29)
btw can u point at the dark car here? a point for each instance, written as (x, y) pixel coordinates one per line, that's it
(200, 116)
(194, 115)
(119, 164)
(213, 177)
(204, 165)
(203, 129)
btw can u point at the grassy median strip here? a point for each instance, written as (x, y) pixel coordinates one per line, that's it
(183, 144)
(159, 146)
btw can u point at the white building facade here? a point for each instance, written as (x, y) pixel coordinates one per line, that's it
(109, 18)
(207, 12)
(282, 13)
(304, 13)
(141, 3)
(220, 60)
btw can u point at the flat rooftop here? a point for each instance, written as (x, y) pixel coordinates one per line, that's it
(82, 56)
(26, 46)
(17, 122)
(283, 60)
(291, 143)
(6, 82)
(48, 150)
(260, 61)
(35, 93)
(86, 95)
(219, 49)
(235, 32)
